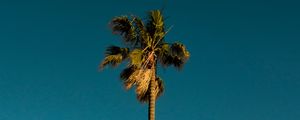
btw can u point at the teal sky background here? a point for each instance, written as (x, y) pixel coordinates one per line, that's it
(244, 65)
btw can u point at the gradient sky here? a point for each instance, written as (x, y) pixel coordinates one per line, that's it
(244, 65)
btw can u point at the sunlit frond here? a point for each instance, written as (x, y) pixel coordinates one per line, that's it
(142, 85)
(136, 57)
(123, 26)
(143, 98)
(139, 77)
(157, 20)
(125, 76)
(158, 91)
(114, 55)
(114, 60)
(155, 26)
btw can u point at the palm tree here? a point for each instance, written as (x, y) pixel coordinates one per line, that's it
(145, 49)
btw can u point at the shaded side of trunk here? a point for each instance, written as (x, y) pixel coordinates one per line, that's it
(152, 98)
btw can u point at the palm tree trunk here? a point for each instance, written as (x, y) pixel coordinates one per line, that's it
(152, 99)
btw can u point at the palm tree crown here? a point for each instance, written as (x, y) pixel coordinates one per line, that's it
(144, 48)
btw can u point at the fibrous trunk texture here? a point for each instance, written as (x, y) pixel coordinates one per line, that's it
(152, 98)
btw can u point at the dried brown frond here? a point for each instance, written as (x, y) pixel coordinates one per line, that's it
(142, 86)
(158, 91)
(143, 77)
(125, 75)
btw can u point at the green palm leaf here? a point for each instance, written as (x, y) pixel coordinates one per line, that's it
(136, 57)
(114, 55)
(123, 26)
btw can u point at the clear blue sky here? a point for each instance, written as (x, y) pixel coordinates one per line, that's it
(244, 65)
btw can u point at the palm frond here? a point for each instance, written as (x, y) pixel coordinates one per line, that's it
(140, 25)
(126, 76)
(163, 49)
(179, 50)
(158, 91)
(164, 54)
(123, 25)
(143, 83)
(114, 60)
(175, 54)
(114, 50)
(136, 57)
(143, 35)
(155, 26)
(144, 98)
(114, 55)
(178, 62)
(157, 19)
(159, 87)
